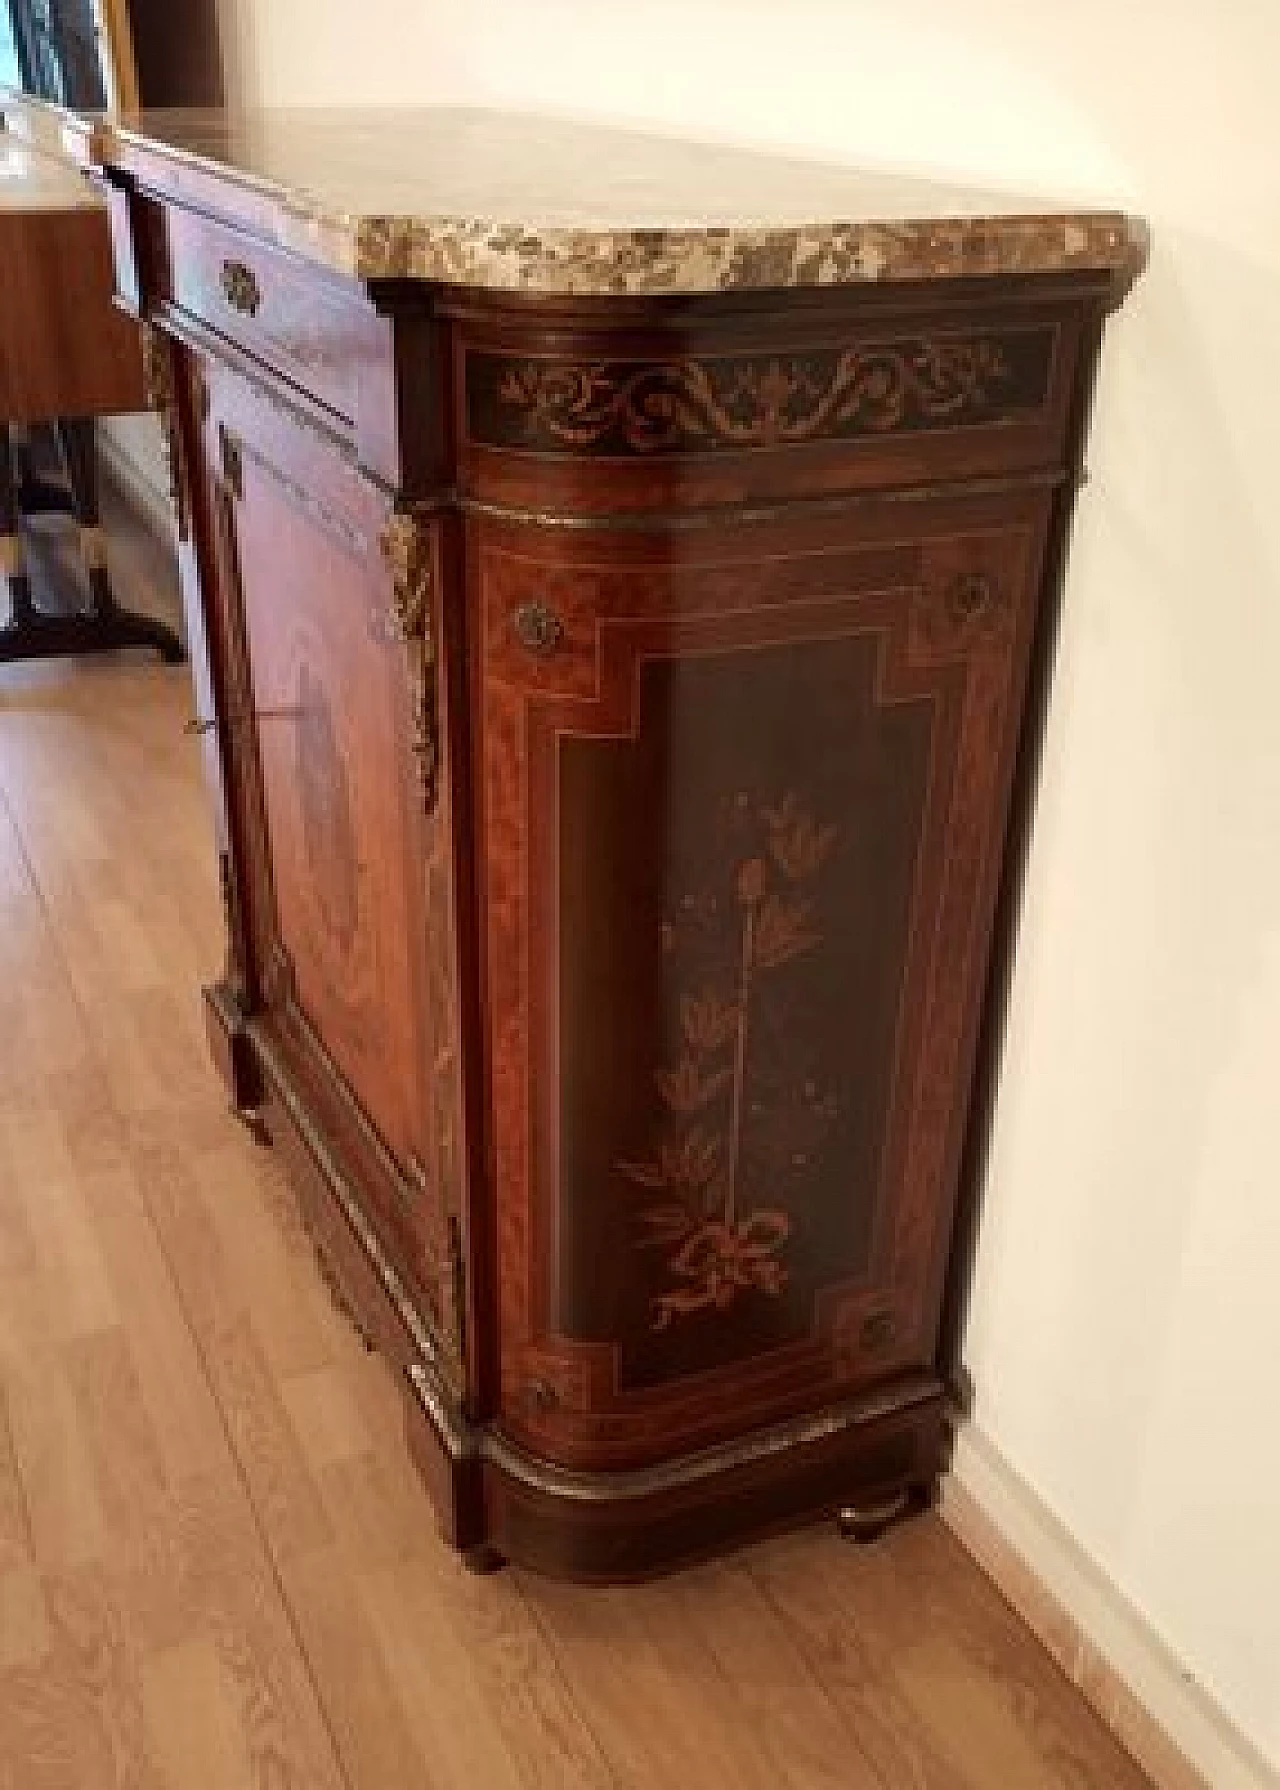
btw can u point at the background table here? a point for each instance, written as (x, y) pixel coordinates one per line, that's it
(66, 356)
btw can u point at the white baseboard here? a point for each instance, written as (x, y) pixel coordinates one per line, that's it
(144, 483)
(1171, 1725)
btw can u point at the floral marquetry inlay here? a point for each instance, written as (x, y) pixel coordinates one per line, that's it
(719, 1225)
(624, 408)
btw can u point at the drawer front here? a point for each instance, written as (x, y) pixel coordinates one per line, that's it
(301, 325)
(342, 837)
(744, 801)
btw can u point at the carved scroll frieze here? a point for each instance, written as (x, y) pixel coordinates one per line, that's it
(406, 547)
(750, 401)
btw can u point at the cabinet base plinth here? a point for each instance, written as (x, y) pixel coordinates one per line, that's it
(613, 1527)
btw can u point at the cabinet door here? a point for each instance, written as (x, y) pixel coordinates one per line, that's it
(744, 796)
(341, 818)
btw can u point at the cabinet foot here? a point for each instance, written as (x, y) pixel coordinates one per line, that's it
(338, 1294)
(868, 1522)
(483, 1559)
(254, 1124)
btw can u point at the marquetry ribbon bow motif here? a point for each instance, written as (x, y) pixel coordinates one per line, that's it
(722, 1261)
(724, 1124)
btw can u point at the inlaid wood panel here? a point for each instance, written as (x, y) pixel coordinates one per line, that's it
(717, 404)
(328, 719)
(350, 929)
(744, 812)
(663, 411)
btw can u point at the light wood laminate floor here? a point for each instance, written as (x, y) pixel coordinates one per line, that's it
(217, 1568)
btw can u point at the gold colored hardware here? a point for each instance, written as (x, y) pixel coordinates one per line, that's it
(971, 594)
(240, 288)
(406, 547)
(232, 462)
(878, 1331)
(160, 387)
(537, 628)
(157, 369)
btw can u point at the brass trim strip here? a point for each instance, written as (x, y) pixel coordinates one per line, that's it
(283, 1086)
(467, 1442)
(644, 521)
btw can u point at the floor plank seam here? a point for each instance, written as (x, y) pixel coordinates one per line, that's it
(94, 1046)
(548, 1641)
(763, 1589)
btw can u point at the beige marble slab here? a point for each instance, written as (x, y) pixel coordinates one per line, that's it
(514, 201)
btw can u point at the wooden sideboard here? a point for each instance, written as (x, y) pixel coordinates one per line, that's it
(623, 643)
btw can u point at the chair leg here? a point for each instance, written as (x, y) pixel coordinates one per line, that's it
(31, 633)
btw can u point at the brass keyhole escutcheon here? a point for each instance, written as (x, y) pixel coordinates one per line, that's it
(537, 628)
(971, 594)
(240, 288)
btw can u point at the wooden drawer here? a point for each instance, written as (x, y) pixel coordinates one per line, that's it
(304, 326)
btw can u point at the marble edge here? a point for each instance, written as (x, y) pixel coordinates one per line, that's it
(476, 252)
(573, 261)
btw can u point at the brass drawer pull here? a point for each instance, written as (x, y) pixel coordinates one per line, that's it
(240, 288)
(537, 628)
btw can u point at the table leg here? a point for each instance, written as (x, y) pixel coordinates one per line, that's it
(79, 443)
(13, 560)
(31, 634)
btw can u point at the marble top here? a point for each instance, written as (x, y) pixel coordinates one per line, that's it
(500, 199)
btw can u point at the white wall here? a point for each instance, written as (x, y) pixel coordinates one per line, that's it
(1126, 1329)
